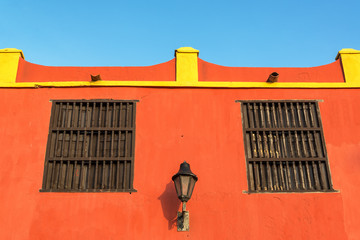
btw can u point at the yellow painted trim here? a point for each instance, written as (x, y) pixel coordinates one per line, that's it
(187, 66)
(103, 83)
(9, 61)
(347, 51)
(350, 60)
(12, 50)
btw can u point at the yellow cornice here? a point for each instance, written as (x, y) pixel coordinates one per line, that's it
(12, 50)
(346, 51)
(105, 83)
(187, 50)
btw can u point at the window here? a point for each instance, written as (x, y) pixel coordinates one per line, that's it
(284, 147)
(90, 146)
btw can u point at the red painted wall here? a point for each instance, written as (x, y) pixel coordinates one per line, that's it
(201, 126)
(216, 73)
(30, 72)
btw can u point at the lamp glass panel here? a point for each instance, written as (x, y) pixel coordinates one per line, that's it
(191, 186)
(185, 184)
(177, 185)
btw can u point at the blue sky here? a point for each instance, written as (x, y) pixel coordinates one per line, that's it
(140, 33)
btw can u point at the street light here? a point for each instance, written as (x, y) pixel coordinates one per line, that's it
(184, 182)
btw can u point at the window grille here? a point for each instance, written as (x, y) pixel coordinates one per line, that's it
(284, 147)
(90, 146)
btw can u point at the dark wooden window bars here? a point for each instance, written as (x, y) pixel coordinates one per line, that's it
(284, 147)
(90, 146)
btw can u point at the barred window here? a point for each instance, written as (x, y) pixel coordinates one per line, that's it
(284, 147)
(90, 146)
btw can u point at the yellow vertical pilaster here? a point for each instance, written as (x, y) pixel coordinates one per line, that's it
(9, 61)
(350, 59)
(187, 66)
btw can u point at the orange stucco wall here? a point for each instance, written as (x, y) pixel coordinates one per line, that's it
(30, 72)
(201, 126)
(326, 73)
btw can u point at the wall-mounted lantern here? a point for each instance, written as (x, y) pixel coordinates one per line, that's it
(184, 182)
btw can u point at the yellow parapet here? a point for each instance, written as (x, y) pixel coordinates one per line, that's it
(186, 74)
(9, 60)
(187, 66)
(350, 59)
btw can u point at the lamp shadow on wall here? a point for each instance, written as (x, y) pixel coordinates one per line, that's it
(170, 204)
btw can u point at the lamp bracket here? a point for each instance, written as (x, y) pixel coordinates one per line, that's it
(183, 221)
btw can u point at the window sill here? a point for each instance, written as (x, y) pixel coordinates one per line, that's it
(293, 191)
(89, 190)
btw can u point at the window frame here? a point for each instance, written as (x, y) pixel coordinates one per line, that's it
(88, 130)
(322, 164)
